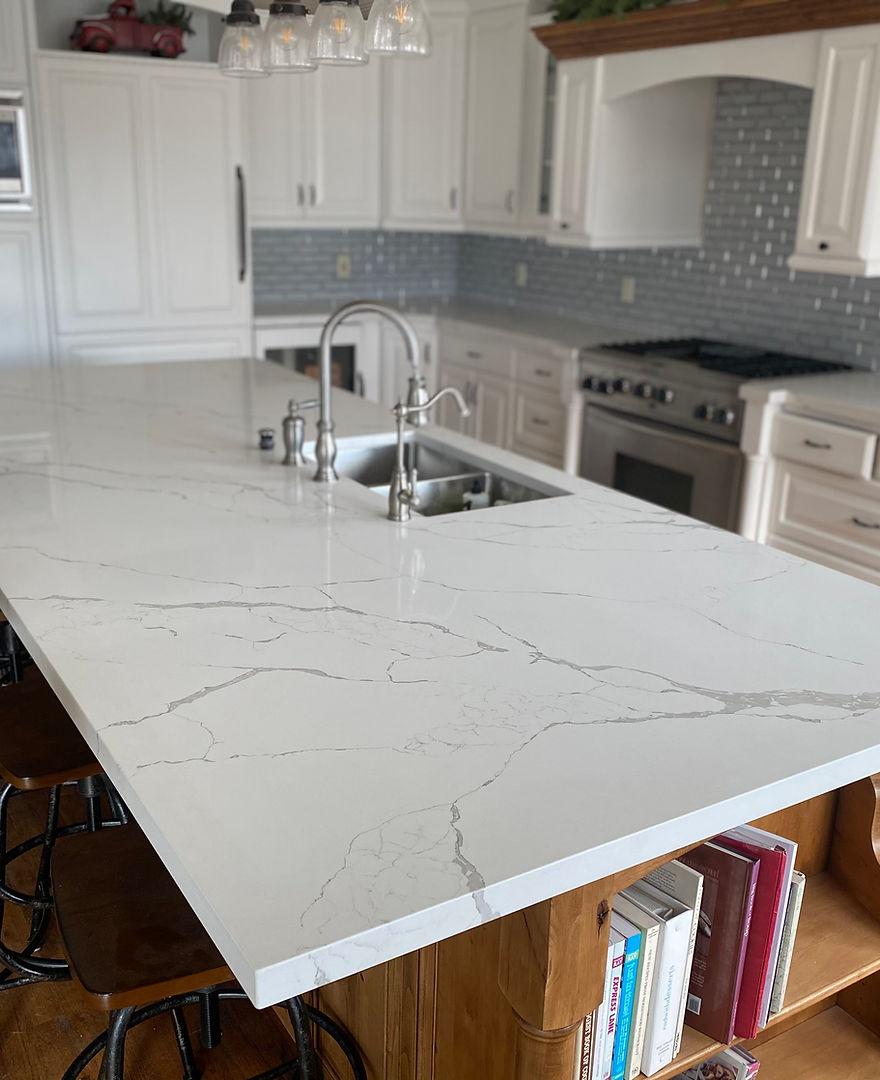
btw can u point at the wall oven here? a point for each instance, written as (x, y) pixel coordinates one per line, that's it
(684, 472)
(15, 171)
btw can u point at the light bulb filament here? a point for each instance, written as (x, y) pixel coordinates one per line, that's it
(400, 13)
(287, 36)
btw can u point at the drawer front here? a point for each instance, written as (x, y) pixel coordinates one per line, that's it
(836, 518)
(824, 558)
(477, 354)
(539, 422)
(538, 369)
(825, 446)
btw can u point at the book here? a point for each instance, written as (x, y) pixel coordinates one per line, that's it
(773, 881)
(685, 884)
(584, 1060)
(600, 1020)
(672, 949)
(729, 886)
(650, 927)
(633, 941)
(789, 932)
(750, 834)
(618, 954)
(732, 1064)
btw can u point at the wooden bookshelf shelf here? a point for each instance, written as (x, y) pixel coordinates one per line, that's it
(838, 944)
(831, 1046)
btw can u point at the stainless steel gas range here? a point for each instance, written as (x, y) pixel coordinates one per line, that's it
(663, 419)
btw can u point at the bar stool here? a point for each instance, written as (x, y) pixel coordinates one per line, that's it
(137, 950)
(40, 750)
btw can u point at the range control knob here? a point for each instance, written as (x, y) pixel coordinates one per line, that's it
(644, 390)
(622, 386)
(664, 395)
(725, 416)
(705, 412)
(592, 382)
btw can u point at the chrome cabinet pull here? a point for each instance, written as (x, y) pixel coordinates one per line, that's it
(472, 354)
(300, 195)
(539, 421)
(544, 373)
(453, 198)
(862, 524)
(508, 201)
(426, 351)
(242, 224)
(313, 195)
(813, 445)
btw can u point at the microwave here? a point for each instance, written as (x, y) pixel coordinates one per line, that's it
(15, 172)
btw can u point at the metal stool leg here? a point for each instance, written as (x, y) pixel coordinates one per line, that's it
(91, 790)
(308, 1066)
(211, 1027)
(184, 1045)
(113, 1065)
(43, 890)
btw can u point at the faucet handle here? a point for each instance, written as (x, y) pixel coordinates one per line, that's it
(293, 430)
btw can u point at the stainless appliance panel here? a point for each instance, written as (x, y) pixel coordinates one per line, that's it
(682, 472)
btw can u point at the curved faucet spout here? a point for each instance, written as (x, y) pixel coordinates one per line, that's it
(325, 447)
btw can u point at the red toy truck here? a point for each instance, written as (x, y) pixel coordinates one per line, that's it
(121, 29)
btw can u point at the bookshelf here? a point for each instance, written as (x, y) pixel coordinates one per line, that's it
(503, 1001)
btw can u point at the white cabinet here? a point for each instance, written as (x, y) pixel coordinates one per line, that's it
(423, 104)
(313, 148)
(13, 42)
(140, 239)
(496, 62)
(24, 338)
(630, 166)
(839, 224)
(536, 160)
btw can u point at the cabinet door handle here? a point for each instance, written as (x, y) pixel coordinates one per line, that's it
(313, 195)
(862, 524)
(543, 373)
(824, 245)
(242, 224)
(539, 421)
(426, 354)
(453, 198)
(472, 354)
(300, 195)
(564, 225)
(813, 445)
(508, 201)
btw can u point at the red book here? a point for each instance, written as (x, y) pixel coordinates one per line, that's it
(769, 895)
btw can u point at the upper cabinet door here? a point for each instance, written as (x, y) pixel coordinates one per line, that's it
(200, 226)
(343, 183)
(496, 61)
(95, 135)
(573, 140)
(836, 229)
(424, 110)
(22, 301)
(13, 42)
(277, 115)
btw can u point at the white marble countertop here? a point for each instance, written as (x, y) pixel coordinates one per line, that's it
(849, 397)
(348, 739)
(556, 329)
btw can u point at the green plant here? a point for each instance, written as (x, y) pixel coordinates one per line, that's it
(171, 14)
(564, 10)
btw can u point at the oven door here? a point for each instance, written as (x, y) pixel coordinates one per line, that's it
(682, 472)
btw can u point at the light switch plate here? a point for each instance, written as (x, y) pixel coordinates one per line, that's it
(521, 275)
(343, 267)
(627, 289)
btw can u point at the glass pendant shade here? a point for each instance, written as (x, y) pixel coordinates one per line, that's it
(398, 28)
(287, 39)
(241, 47)
(338, 33)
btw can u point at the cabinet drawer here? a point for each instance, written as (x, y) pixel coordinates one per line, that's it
(539, 421)
(488, 356)
(839, 518)
(538, 369)
(825, 446)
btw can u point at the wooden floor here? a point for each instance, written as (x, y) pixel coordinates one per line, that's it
(43, 1027)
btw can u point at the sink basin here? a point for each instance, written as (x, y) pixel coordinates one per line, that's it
(449, 482)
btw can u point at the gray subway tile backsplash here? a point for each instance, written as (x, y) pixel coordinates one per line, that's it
(737, 286)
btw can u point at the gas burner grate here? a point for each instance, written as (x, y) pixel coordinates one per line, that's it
(739, 361)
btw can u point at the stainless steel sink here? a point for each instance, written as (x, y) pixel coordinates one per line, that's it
(448, 482)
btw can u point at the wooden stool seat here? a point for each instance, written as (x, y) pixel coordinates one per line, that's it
(39, 743)
(130, 936)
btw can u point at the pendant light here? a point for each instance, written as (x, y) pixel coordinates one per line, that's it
(398, 28)
(338, 33)
(241, 47)
(287, 39)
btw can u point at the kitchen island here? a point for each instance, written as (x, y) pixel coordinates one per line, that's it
(350, 740)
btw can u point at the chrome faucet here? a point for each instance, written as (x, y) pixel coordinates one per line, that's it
(417, 393)
(402, 495)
